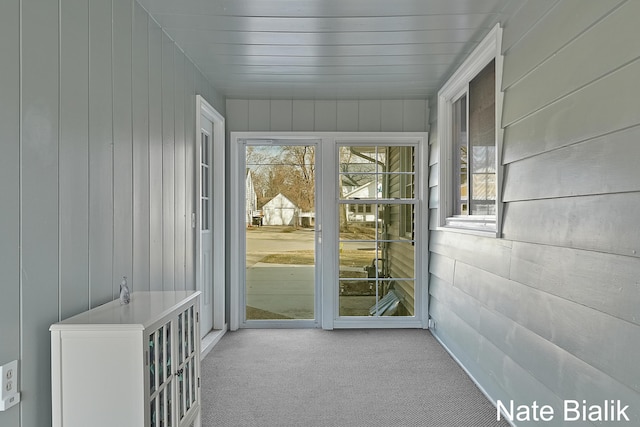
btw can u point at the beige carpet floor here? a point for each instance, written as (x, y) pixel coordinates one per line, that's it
(342, 378)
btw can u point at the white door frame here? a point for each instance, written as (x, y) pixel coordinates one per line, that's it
(238, 237)
(327, 313)
(218, 225)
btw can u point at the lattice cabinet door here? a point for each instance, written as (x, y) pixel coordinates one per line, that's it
(161, 390)
(188, 366)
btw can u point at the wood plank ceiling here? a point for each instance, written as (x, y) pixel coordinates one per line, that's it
(328, 49)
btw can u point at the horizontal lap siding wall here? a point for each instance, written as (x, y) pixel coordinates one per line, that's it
(92, 102)
(551, 311)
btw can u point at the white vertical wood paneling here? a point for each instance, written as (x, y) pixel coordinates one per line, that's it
(39, 203)
(415, 114)
(141, 173)
(190, 135)
(81, 182)
(391, 116)
(155, 157)
(168, 159)
(326, 116)
(201, 87)
(303, 115)
(10, 189)
(281, 115)
(74, 157)
(100, 154)
(369, 116)
(259, 115)
(237, 115)
(347, 116)
(122, 145)
(180, 177)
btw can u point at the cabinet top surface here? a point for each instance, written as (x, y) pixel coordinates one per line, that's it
(143, 310)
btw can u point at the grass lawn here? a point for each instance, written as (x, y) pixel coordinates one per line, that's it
(352, 258)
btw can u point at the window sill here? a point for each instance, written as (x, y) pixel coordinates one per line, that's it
(478, 225)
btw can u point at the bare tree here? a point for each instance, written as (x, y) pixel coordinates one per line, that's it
(288, 169)
(301, 171)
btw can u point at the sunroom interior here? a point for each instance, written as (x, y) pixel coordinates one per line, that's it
(478, 159)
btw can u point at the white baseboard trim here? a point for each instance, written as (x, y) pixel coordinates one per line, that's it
(209, 341)
(475, 381)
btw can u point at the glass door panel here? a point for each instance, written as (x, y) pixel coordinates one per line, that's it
(160, 377)
(280, 214)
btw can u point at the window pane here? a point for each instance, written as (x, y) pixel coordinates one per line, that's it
(383, 172)
(205, 181)
(482, 141)
(407, 220)
(357, 159)
(357, 259)
(356, 297)
(397, 186)
(205, 214)
(204, 149)
(359, 186)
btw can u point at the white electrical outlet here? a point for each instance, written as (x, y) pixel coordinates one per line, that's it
(9, 394)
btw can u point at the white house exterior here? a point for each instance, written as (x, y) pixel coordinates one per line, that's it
(361, 212)
(279, 211)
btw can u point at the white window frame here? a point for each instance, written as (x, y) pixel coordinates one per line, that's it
(488, 49)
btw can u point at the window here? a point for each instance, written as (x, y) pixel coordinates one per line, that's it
(376, 252)
(468, 119)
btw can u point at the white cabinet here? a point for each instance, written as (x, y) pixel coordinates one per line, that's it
(129, 365)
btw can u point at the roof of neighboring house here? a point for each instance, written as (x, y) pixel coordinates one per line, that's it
(273, 203)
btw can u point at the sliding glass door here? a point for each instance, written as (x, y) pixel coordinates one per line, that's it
(327, 230)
